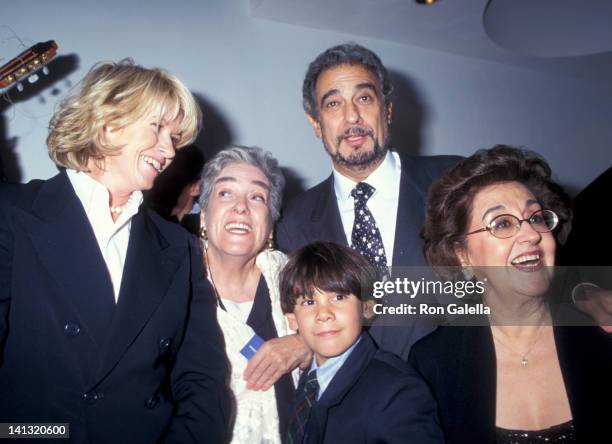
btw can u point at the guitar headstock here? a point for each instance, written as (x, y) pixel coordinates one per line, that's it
(26, 65)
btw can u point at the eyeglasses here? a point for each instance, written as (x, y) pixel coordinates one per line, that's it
(507, 225)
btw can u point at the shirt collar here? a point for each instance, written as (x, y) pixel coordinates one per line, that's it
(379, 178)
(327, 371)
(95, 196)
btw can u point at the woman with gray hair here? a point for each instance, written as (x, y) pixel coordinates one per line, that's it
(240, 201)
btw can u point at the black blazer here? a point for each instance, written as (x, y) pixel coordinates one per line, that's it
(314, 216)
(460, 368)
(590, 207)
(374, 398)
(152, 365)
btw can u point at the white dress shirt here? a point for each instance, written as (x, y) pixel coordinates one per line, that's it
(383, 203)
(112, 237)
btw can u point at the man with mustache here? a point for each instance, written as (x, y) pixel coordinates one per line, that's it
(374, 200)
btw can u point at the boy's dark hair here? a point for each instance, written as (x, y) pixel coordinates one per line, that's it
(326, 266)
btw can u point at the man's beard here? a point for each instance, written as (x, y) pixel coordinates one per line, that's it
(359, 160)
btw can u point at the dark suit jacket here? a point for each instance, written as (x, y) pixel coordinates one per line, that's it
(153, 364)
(587, 244)
(459, 366)
(375, 397)
(314, 216)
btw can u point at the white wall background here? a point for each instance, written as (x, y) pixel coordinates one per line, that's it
(249, 72)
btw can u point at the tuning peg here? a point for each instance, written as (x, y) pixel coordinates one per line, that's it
(45, 70)
(19, 87)
(33, 78)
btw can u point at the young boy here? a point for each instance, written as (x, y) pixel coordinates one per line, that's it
(352, 392)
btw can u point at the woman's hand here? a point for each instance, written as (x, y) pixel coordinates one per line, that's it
(597, 303)
(275, 358)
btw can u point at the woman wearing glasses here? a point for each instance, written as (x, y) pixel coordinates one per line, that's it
(519, 379)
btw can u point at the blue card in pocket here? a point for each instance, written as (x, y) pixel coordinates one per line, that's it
(251, 347)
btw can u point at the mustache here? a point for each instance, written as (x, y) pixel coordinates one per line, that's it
(356, 131)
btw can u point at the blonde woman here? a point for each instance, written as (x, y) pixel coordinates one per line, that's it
(101, 326)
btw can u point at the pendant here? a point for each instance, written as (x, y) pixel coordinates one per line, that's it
(524, 361)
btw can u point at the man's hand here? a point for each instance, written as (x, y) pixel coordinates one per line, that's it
(275, 358)
(597, 303)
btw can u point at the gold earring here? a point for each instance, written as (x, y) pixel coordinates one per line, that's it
(270, 243)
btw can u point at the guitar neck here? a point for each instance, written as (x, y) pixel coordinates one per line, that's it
(26, 63)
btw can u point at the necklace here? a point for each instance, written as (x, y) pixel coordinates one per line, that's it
(524, 360)
(120, 208)
(208, 270)
(210, 277)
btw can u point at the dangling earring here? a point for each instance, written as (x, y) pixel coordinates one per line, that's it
(468, 272)
(203, 233)
(270, 243)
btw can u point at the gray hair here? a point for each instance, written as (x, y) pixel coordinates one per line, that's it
(263, 160)
(345, 54)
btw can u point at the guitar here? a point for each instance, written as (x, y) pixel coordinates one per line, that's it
(26, 65)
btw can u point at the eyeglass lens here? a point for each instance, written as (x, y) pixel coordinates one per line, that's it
(507, 225)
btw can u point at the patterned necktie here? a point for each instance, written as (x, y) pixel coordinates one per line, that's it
(304, 401)
(365, 237)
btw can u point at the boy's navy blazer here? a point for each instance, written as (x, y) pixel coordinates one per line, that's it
(374, 397)
(128, 372)
(314, 216)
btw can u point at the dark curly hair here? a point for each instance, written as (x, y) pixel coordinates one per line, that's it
(449, 203)
(345, 54)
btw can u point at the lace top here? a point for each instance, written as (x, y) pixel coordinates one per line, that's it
(558, 434)
(256, 415)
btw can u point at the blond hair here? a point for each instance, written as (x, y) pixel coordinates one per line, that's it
(117, 94)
